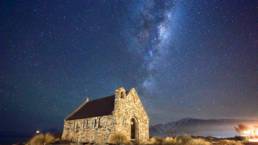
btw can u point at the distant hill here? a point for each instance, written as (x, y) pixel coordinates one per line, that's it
(199, 127)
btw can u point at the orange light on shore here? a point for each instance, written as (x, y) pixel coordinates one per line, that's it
(251, 133)
(253, 140)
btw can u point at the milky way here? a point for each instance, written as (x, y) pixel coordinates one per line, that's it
(151, 37)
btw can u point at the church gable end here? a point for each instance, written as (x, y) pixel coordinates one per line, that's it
(130, 111)
(96, 121)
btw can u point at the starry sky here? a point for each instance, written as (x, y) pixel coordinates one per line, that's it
(186, 58)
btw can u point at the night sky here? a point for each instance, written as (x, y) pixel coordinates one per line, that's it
(188, 58)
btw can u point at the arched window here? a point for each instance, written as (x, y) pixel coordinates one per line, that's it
(73, 126)
(122, 94)
(85, 124)
(95, 123)
(77, 127)
(99, 125)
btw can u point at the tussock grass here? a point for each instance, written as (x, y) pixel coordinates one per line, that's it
(198, 142)
(169, 141)
(42, 139)
(118, 139)
(180, 140)
(228, 142)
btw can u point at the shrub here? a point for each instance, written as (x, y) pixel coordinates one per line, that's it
(118, 139)
(228, 142)
(41, 139)
(198, 142)
(152, 140)
(183, 140)
(180, 140)
(155, 141)
(169, 141)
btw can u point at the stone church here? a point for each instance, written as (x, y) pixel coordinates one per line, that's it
(97, 120)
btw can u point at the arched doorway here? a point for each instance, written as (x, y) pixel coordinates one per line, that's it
(133, 129)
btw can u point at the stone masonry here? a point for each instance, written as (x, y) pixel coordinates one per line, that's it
(96, 121)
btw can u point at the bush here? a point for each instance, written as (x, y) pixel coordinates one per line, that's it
(155, 141)
(152, 140)
(118, 139)
(169, 141)
(183, 140)
(198, 142)
(180, 140)
(41, 139)
(228, 142)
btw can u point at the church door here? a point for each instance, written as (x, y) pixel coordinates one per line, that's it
(133, 129)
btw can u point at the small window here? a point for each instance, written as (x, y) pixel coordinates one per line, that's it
(84, 124)
(95, 123)
(77, 128)
(122, 95)
(99, 125)
(73, 128)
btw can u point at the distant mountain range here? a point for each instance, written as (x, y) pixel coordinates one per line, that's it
(200, 127)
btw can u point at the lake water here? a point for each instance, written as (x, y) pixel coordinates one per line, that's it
(12, 140)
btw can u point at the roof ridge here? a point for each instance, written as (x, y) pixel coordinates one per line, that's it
(78, 108)
(101, 98)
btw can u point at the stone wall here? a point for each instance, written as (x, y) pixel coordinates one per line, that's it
(95, 129)
(128, 106)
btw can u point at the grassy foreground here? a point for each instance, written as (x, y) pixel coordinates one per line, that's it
(118, 139)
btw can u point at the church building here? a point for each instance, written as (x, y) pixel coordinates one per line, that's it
(98, 120)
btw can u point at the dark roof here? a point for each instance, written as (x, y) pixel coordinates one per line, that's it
(98, 107)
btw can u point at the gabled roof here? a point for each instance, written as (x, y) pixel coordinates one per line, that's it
(98, 107)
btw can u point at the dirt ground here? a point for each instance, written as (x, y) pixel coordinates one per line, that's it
(252, 143)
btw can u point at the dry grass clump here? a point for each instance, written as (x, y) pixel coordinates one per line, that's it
(188, 140)
(183, 140)
(155, 141)
(198, 142)
(180, 140)
(169, 141)
(118, 139)
(41, 139)
(228, 142)
(151, 141)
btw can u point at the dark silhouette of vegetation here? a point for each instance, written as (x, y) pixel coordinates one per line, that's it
(42, 139)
